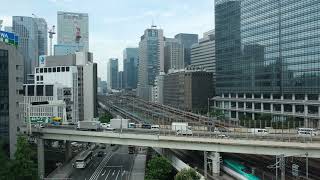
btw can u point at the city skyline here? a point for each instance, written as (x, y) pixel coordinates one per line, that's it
(114, 26)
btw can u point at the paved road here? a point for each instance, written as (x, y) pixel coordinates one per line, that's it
(115, 165)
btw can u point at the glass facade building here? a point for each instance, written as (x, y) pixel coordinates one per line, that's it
(187, 40)
(268, 51)
(27, 30)
(268, 46)
(151, 61)
(130, 67)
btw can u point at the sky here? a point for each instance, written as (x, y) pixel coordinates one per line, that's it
(117, 24)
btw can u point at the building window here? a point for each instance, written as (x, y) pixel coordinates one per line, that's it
(37, 70)
(39, 90)
(58, 69)
(240, 95)
(49, 70)
(276, 96)
(31, 90)
(287, 96)
(63, 69)
(299, 96)
(257, 96)
(248, 105)
(54, 69)
(287, 108)
(41, 78)
(45, 70)
(67, 69)
(266, 96)
(299, 109)
(313, 97)
(277, 107)
(37, 78)
(248, 96)
(41, 70)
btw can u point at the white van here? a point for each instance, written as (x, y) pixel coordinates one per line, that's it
(307, 132)
(259, 131)
(155, 127)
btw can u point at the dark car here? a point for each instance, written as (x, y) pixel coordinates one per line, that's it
(146, 126)
(100, 154)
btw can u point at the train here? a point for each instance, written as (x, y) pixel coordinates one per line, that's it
(238, 170)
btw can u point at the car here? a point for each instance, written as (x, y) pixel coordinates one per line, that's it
(38, 126)
(112, 144)
(100, 154)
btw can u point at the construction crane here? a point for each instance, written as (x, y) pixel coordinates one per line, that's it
(51, 33)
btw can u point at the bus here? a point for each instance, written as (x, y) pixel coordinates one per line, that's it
(83, 160)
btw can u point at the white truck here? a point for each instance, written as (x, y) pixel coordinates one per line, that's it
(116, 123)
(181, 128)
(88, 125)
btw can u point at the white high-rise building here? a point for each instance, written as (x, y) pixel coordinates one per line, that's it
(69, 26)
(151, 61)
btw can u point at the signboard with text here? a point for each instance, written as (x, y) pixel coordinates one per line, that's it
(9, 38)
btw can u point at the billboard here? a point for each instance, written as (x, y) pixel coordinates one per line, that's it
(42, 60)
(9, 38)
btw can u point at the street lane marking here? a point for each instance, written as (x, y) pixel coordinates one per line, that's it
(98, 170)
(117, 174)
(107, 175)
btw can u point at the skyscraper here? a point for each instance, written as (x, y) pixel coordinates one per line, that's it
(151, 60)
(42, 36)
(71, 25)
(269, 63)
(11, 73)
(203, 53)
(112, 70)
(187, 40)
(130, 67)
(173, 54)
(27, 30)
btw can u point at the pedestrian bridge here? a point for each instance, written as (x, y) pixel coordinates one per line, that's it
(140, 138)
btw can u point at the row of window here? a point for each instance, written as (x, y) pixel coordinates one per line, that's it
(52, 69)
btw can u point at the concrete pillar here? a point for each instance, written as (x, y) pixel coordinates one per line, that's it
(41, 167)
(205, 165)
(293, 109)
(215, 162)
(68, 152)
(282, 108)
(306, 122)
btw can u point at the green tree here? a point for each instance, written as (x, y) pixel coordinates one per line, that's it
(5, 162)
(24, 166)
(158, 168)
(187, 174)
(105, 118)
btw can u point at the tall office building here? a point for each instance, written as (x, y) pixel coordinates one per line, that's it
(130, 67)
(173, 54)
(269, 63)
(187, 89)
(27, 30)
(112, 76)
(42, 36)
(68, 27)
(11, 81)
(151, 60)
(70, 78)
(187, 40)
(203, 54)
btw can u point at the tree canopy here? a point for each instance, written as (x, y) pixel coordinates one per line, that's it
(187, 174)
(158, 168)
(23, 167)
(105, 117)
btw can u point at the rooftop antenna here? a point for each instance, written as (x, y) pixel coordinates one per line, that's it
(152, 25)
(51, 32)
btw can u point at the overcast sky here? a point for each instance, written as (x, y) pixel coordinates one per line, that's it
(117, 24)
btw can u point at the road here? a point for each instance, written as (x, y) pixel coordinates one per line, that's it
(117, 164)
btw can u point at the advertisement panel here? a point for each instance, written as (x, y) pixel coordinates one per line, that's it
(9, 38)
